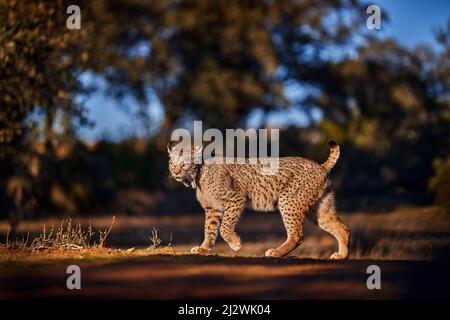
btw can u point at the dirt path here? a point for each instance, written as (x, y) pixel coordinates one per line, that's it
(187, 276)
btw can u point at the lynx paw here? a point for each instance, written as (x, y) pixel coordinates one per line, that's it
(235, 245)
(337, 256)
(273, 253)
(199, 250)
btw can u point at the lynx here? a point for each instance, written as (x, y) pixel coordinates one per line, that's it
(300, 188)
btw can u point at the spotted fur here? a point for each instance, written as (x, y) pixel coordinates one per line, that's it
(300, 188)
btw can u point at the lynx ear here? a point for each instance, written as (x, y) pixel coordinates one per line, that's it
(170, 145)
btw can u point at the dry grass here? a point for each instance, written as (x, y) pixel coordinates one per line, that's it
(403, 234)
(65, 236)
(72, 241)
(17, 243)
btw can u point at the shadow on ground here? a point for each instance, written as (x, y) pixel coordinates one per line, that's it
(214, 277)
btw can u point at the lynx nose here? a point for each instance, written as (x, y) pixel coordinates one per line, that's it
(177, 170)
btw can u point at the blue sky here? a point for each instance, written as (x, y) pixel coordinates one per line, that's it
(411, 22)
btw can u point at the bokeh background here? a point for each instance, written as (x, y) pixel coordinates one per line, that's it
(85, 115)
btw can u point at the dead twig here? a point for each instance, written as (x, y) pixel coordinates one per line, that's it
(154, 240)
(104, 234)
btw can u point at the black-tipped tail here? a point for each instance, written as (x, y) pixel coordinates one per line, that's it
(332, 157)
(332, 144)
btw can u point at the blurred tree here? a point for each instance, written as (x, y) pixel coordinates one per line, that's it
(217, 61)
(39, 67)
(440, 183)
(391, 106)
(213, 60)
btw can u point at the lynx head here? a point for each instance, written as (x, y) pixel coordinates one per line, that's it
(184, 162)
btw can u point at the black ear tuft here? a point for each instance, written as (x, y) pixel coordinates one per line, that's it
(332, 144)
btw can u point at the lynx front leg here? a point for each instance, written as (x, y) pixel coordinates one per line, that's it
(230, 219)
(212, 223)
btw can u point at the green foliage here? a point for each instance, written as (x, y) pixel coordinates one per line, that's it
(388, 104)
(213, 60)
(38, 64)
(216, 61)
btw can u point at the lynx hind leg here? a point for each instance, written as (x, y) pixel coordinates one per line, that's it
(324, 215)
(293, 218)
